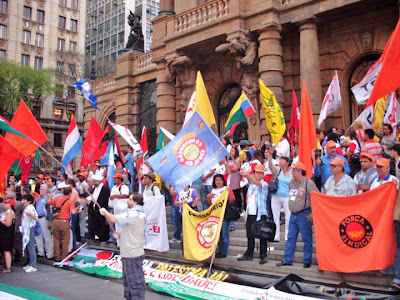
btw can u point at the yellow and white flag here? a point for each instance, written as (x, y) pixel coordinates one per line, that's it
(273, 113)
(201, 229)
(379, 112)
(202, 102)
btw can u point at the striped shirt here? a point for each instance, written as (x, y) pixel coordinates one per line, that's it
(373, 148)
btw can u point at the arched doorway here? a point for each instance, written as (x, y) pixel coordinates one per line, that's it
(148, 112)
(360, 68)
(227, 100)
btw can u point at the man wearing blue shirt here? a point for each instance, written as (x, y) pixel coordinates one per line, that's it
(323, 168)
(128, 162)
(45, 237)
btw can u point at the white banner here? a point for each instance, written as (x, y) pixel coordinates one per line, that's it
(190, 109)
(363, 89)
(128, 137)
(367, 117)
(156, 236)
(332, 100)
(392, 111)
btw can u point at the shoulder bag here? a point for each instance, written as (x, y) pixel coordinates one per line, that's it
(273, 184)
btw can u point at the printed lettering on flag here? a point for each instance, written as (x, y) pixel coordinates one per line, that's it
(332, 100)
(391, 116)
(363, 89)
(194, 150)
(350, 231)
(367, 117)
(128, 137)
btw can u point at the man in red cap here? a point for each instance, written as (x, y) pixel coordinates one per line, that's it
(301, 217)
(366, 176)
(383, 169)
(255, 210)
(323, 168)
(118, 197)
(339, 184)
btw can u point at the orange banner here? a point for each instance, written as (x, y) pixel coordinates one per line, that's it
(355, 234)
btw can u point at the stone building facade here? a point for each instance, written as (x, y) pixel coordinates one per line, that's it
(233, 43)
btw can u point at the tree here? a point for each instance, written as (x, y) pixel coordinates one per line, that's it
(22, 82)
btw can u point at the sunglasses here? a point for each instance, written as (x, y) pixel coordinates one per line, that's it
(334, 166)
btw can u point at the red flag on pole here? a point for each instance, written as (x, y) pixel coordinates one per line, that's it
(388, 79)
(307, 136)
(91, 150)
(27, 124)
(8, 154)
(143, 145)
(294, 120)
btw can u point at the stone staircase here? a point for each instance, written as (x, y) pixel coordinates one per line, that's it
(238, 244)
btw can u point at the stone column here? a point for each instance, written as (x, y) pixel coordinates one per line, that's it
(165, 98)
(167, 7)
(270, 65)
(310, 70)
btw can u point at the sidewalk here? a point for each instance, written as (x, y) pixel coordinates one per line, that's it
(66, 284)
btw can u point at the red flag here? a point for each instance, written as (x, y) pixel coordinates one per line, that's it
(388, 79)
(26, 165)
(294, 120)
(307, 136)
(233, 128)
(355, 234)
(91, 150)
(26, 123)
(8, 154)
(143, 145)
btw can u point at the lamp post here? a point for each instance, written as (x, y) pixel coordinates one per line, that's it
(93, 71)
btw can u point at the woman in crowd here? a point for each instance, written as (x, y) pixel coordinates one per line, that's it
(234, 177)
(29, 217)
(7, 231)
(388, 139)
(244, 183)
(281, 197)
(219, 185)
(354, 148)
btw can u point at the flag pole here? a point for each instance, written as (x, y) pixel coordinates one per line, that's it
(18, 167)
(49, 154)
(45, 164)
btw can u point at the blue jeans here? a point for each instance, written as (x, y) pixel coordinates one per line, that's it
(397, 261)
(206, 190)
(74, 219)
(178, 225)
(299, 223)
(223, 243)
(31, 247)
(174, 212)
(111, 239)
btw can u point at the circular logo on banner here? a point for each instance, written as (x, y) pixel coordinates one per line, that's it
(207, 231)
(355, 231)
(191, 152)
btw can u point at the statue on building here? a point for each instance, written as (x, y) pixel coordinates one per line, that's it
(249, 84)
(243, 46)
(136, 39)
(185, 71)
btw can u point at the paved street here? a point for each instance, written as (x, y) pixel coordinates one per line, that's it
(68, 284)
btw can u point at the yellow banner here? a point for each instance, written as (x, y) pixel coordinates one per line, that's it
(273, 113)
(201, 229)
(379, 112)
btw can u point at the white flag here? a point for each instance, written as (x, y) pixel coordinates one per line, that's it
(332, 100)
(190, 109)
(392, 110)
(167, 133)
(367, 117)
(363, 89)
(128, 137)
(156, 231)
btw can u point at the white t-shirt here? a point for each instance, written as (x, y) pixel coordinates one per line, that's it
(251, 202)
(217, 192)
(119, 204)
(151, 191)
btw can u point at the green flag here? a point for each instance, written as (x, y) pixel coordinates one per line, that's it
(160, 142)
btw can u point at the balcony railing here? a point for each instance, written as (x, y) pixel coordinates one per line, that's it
(144, 62)
(209, 12)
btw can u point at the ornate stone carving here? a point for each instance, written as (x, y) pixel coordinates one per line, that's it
(185, 71)
(27, 24)
(39, 51)
(249, 84)
(367, 40)
(41, 4)
(40, 27)
(3, 18)
(2, 43)
(28, 2)
(243, 46)
(73, 36)
(26, 48)
(62, 11)
(61, 32)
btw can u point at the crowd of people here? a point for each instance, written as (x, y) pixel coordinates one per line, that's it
(59, 212)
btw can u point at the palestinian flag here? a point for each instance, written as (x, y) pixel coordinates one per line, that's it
(6, 126)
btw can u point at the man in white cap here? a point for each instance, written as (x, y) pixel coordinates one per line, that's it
(97, 223)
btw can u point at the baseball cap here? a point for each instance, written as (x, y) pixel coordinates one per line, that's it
(337, 161)
(383, 162)
(11, 201)
(82, 174)
(299, 165)
(62, 185)
(330, 144)
(97, 177)
(367, 155)
(259, 168)
(118, 175)
(151, 175)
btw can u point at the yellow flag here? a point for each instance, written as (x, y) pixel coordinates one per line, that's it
(202, 103)
(379, 112)
(201, 229)
(273, 113)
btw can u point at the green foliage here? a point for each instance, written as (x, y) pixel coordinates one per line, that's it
(18, 82)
